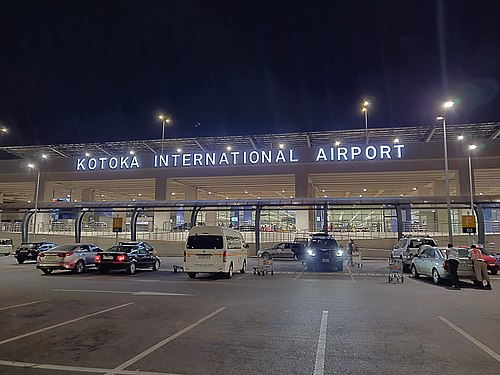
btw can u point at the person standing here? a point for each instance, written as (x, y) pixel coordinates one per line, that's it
(480, 268)
(453, 263)
(351, 248)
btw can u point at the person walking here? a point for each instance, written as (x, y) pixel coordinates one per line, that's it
(351, 248)
(453, 263)
(480, 268)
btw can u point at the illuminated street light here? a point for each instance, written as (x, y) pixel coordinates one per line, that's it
(446, 106)
(364, 109)
(471, 148)
(32, 166)
(4, 131)
(164, 121)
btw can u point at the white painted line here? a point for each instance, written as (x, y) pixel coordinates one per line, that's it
(22, 304)
(62, 324)
(471, 339)
(319, 367)
(142, 293)
(296, 277)
(145, 353)
(94, 370)
(350, 272)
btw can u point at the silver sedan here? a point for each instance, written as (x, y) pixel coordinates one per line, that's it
(431, 261)
(74, 257)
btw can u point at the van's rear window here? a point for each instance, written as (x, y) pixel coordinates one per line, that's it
(204, 242)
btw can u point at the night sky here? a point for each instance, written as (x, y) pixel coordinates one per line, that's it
(95, 71)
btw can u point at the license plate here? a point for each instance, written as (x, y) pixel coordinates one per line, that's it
(326, 260)
(107, 257)
(24, 251)
(207, 256)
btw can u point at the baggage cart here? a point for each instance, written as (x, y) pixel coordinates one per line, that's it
(264, 266)
(356, 259)
(396, 270)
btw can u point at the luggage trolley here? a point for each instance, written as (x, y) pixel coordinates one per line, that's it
(396, 270)
(264, 266)
(356, 258)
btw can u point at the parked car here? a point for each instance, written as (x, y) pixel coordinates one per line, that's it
(31, 250)
(283, 250)
(491, 262)
(324, 253)
(407, 247)
(431, 262)
(74, 257)
(146, 245)
(127, 257)
(5, 246)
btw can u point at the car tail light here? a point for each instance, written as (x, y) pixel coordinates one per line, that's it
(97, 258)
(121, 258)
(224, 256)
(184, 255)
(41, 255)
(445, 266)
(63, 255)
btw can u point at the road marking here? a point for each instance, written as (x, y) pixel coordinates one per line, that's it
(22, 304)
(62, 324)
(94, 370)
(319, 367)
(350, 272)
(141, 293)
(471, 339)
(242, 276)
(145, 353)
(300, 274)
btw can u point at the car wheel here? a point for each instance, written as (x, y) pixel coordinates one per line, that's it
(156, 265)
(131, 269)
(265, 256)
(244, 269)
(191, 275)
(104, 270)
(20, 260)
(46, 271)
(79, 267)
(414, 272)
(229, 274)
(435, 276)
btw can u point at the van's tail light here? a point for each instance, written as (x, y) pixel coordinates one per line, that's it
(224, 256)
(184, 255)
(98, 258)
(121, 258)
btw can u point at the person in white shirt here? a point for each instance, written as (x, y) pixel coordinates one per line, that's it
(453, 263)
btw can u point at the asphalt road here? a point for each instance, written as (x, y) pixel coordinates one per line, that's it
(294, 322)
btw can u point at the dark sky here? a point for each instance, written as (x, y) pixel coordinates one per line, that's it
(85, 71)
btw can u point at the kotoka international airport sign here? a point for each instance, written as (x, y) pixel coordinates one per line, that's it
(234, 158)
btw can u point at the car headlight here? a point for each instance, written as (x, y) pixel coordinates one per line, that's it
(339, 253)
(311, 252)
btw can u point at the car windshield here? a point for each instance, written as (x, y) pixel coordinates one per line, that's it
(323, 242)
(63, 248)
(121, 249)
(204, 242)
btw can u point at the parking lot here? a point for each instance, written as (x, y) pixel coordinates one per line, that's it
(294, 322)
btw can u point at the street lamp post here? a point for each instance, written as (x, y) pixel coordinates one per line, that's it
(164, 121)
(32, 166)
(447, 105)
(471, 148)
(366, 103)
(4, 131)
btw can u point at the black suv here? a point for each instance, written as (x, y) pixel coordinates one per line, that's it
(324, 254)
(30, 250)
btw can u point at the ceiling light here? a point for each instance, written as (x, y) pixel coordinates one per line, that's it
(228, 148)
(179, 150)
(365, 190)
(337, 143)
(396, 140)
(281, 145)
(460, 137)
(172, 193)
(414, 189)
(87, 154)
(131, 152)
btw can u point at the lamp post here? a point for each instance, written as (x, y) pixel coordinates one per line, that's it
(446, 106)
(471, 148)
(164, 121)
(32, 166)
(4, 131)
(364, 109)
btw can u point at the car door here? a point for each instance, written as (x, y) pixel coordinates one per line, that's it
(278, 250)
(86, 255)
(420, 262)
(429, 261)
(145, 258)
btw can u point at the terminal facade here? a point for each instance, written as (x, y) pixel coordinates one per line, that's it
(380, 184)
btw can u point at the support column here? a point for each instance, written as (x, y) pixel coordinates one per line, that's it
(190, 194)
(1, 201)
(302, 191)
(441, 214)
(162, 220)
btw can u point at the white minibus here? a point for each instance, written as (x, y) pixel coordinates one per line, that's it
(6, 246)
(214, 249)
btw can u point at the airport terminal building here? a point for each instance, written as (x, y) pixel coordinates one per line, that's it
(380, 183)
